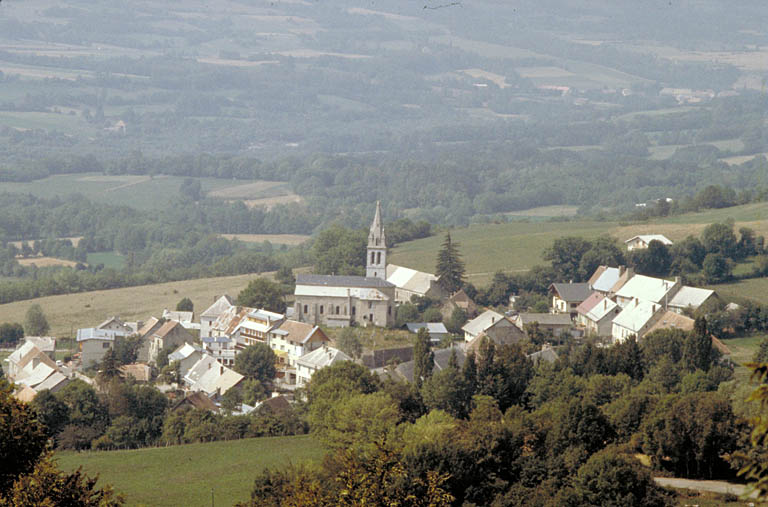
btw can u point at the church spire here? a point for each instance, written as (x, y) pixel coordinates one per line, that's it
(376, 237)
(376, 261)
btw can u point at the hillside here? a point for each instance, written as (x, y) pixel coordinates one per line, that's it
(68, 312)
(218, 472)
(517, 246)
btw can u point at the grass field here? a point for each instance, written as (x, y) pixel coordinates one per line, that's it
(751, 288)
(68, 312)
(517, 246)
(141, 192)
(190, 474)
(278, 239)
(109, 259)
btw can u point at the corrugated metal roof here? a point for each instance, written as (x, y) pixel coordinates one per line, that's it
(606, 280)
(637, 315)
(92, 333)
(646, 288)
(690, 296)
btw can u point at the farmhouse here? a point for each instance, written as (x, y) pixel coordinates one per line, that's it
(209, 316)
(566, 297)
(211, 377)
(308, 364)
(291, 341)
(168, 336)
(607, 280)
(555, 323)
(596, 314)
(642, 241)
(94, 343)
(690, 298)
(646, 288)
(635, 319)
(186, 355)
(481, 323)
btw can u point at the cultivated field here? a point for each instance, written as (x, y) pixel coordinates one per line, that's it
(68, 312)
(141, 192)
(44, 262)
(247, 190)
(218, 473)
(278, 239)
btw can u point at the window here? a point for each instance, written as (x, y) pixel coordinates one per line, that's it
(338, 311)
(373, 257)
(321, 309)
(389, 310)
(306, 309)
(378, 258)
(105, 345)
(370, 304)
(354, 310)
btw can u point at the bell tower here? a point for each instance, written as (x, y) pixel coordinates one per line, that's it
(376, 259)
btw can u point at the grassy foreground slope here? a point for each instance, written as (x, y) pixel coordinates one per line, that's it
(186, 474)
(70, 311)
(516, 246)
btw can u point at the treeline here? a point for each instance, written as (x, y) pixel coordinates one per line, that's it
(499, 430)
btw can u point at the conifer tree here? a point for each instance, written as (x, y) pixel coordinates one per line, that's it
(423, 358)
(450, 266)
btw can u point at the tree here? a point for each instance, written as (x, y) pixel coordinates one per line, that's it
(340, 251)
(456, 321)
(423, 358)
(349, 343)
(604, 251)
(719, 238)
(52, 412)
(257, 362)
(565, 254)
(447, 390)
(716, 268)
(450, 266)
(110, 367)
(11, 333)
(285, 276)
(610, 478)
(28, 475)
(35, 323)
(263, 293)
(185, 305)
(652, 261)
(697, 348)
(191, 189)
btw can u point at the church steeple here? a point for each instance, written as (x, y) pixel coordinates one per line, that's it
(376, 261)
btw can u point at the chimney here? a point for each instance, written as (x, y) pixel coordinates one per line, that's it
(678, 279)
(622, 269)
(221, 370)
(605, 304)
(653, 308)
(637, 302)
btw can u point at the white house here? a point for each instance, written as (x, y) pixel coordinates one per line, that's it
(691, 298)
(209, 316)
(646, 288)
(480, 323)
(642, 241)
(597, 314)
(186, 355)
(308, 364)
(635, 319)
(94, 343)
(211, 377)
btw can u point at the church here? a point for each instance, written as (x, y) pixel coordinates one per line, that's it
(339, 301)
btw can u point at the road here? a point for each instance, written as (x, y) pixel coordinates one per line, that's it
(708, 486)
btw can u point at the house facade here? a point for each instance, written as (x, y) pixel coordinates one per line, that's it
(642, 241)
(209, 316)
(308, 364)
(94, 343)
(566, 297)
(168, 336)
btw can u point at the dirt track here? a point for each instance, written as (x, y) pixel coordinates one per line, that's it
(708, 486)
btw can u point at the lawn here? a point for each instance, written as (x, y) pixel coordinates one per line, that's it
(66, 313)
(751, 288)
(219, 473)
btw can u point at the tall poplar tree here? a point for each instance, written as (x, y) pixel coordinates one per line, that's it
(423, 358)
(450, 266)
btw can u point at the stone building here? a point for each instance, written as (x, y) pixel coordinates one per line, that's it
(340, 301)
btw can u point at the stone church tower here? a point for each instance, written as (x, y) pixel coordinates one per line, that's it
(376, 260)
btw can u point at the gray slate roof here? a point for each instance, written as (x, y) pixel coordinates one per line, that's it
(432, 327)
(572, 291)
(342, 281)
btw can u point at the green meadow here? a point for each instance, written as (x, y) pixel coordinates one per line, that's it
(217, 473)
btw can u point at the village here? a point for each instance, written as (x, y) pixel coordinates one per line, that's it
(191, 358)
